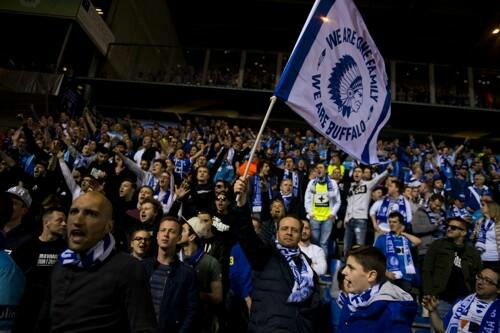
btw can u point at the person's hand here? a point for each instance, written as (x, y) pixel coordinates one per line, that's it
(430, 302)
(390, 168)
(182, 190)
(346, 222)
(60, 155)
(240, 188)
(332, 218)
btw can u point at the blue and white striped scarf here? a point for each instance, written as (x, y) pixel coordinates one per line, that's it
(490, 321)
(92, 257)
(355, 301)
(393, 264)
(303, 276)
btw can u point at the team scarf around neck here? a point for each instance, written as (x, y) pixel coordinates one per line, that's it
(392, 256)
(303, 276)
(383, 211)
(92, 257)
(294, 176)
(322, 180)
(484, 227)
(437, 219)
(356, 301)
(489, 323)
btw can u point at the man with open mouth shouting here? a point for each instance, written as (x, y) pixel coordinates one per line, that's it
(94, 288)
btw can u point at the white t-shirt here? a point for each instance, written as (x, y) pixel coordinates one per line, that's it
(317, 256)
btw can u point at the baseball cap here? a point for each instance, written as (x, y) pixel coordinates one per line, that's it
(21, 193)
(199, 228)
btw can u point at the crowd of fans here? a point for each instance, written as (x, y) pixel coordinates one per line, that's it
(109, 225)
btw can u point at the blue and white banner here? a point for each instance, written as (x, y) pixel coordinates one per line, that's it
(336, 80)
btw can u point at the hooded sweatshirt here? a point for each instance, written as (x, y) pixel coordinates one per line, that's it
(388, 310)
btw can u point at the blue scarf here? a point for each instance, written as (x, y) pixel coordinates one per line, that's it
(489, 323)
(322, 180)
(383, 211)
(356, 301)
(286, 200)
(483, 230)
(393, 265)
(437, 219)
(257, 195)
(294, 176)
(461, 212)
(303, 275)
(92, 257)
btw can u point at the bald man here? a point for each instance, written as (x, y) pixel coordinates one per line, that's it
(94, 288)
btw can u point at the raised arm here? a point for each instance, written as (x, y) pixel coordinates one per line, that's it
(256, 251)
(66, 172)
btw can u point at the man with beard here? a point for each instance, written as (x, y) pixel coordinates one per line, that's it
(94, 287)
(477, 312)
(314, 252)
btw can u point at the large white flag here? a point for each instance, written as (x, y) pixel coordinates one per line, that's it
(335, 79)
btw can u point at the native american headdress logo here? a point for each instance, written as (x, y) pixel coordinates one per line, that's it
(346, 86)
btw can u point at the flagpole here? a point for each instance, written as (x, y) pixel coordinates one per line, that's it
(257, 139)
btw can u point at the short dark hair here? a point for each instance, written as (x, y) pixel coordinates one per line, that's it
(400, 217)
(495, 269)
(466, 224)
(436, 196)
(370, 258)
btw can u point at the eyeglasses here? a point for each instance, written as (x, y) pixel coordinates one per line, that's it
(479, 277)
(454, 228)
(221, 199)
(142, 239)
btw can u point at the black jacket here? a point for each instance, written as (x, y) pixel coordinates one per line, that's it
(273, 283)
(179, 305)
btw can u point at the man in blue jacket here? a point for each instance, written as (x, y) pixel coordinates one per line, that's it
(172, 282)
(11, 276)
(373, 304)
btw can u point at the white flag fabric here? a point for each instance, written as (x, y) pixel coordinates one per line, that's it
(336, 80)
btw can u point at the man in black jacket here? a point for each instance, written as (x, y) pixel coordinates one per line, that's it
(173, 283)
(285, 295)
(93, 287)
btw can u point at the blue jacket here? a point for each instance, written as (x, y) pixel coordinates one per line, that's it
(240, 272)
(381, 316)
(180, 303)
(11, 290)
